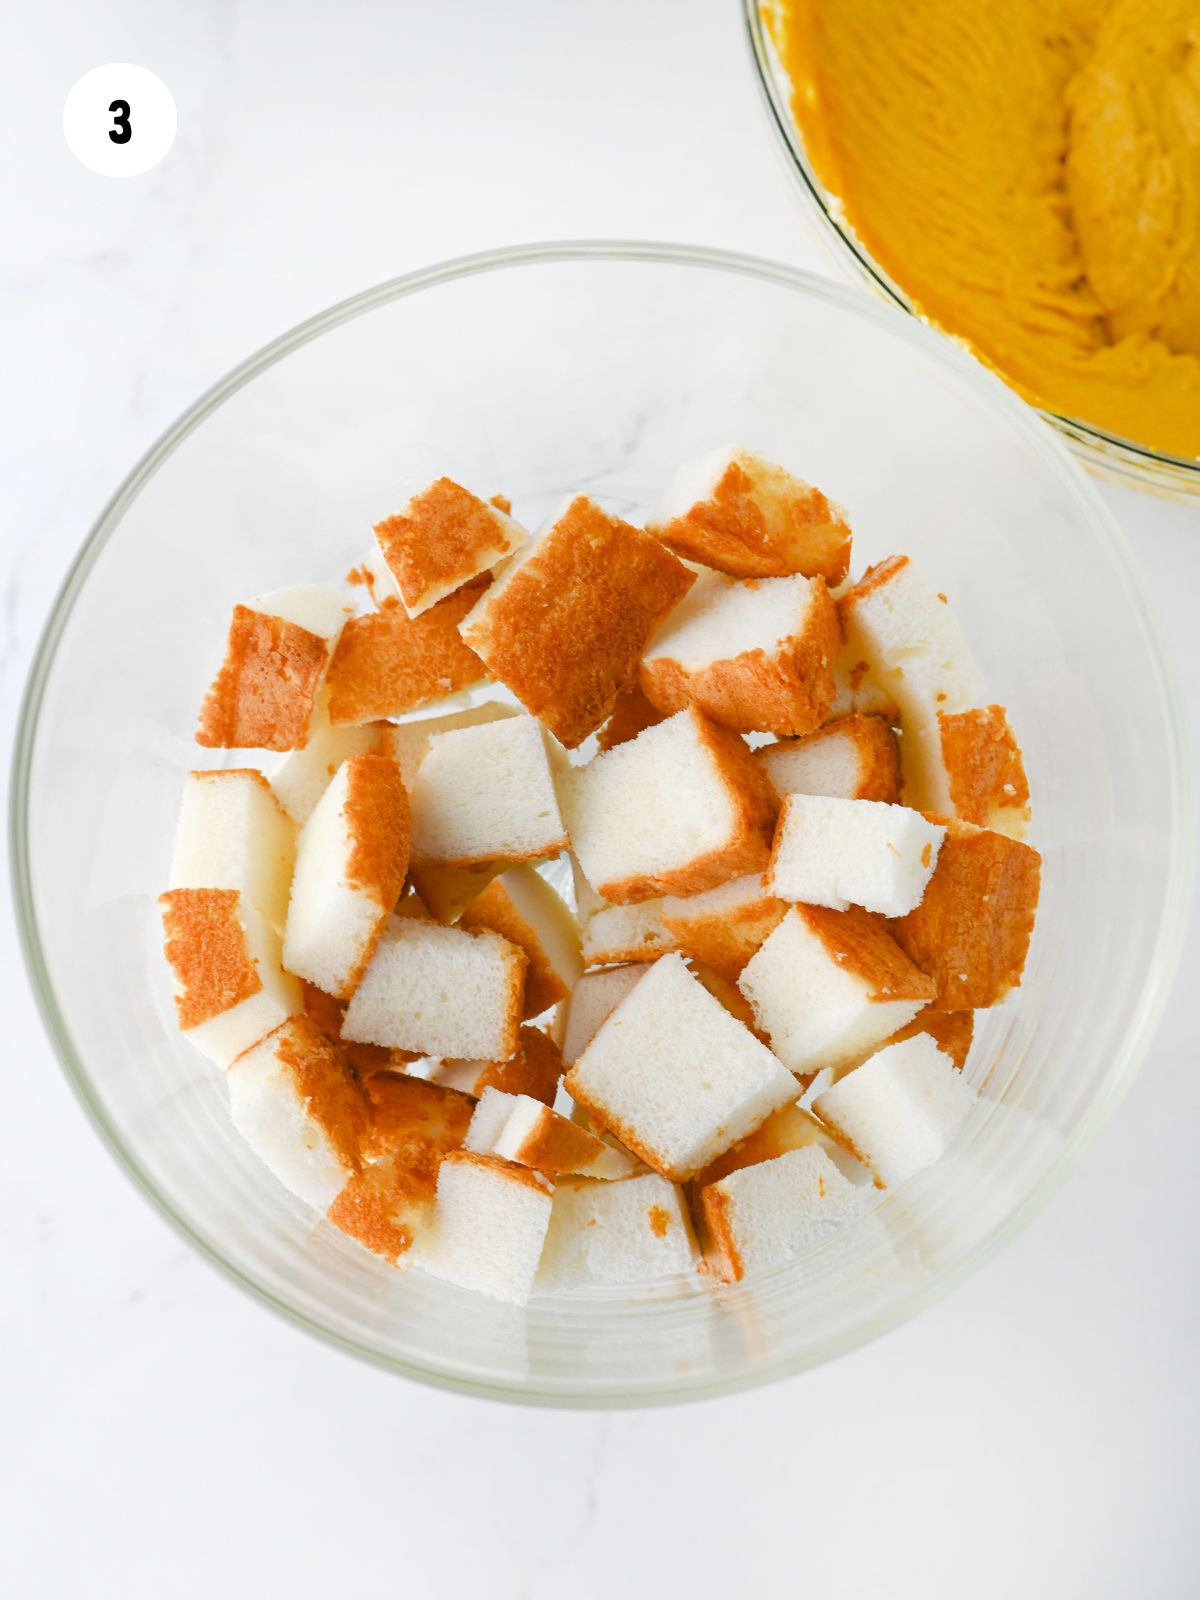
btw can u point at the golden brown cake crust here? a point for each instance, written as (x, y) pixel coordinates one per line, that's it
(566, 632)
(971, 931)
(726, 939)
(983, 763)
(951, 1031)
(518, 965)
(376, 813)
(512, 1170)
(237, 772)
(328, 1012)
(556, 1144)
(787, 690)
(785, 1130)
(748, 848)
(444, 537)
(404, 1108)
(323, 1080)
(205, 945)
(412, 1126)
(387, 663)
(631, 715)
(722, 1259)
(873, 578)
(535, 1068)
(729, 531)
(861, 944)
(494, 910)
(878, 753)
(371, 1206)
(262, 697)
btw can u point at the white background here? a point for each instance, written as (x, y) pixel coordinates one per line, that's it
(161, 1435)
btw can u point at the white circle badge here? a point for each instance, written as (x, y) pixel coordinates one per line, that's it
(119, 120)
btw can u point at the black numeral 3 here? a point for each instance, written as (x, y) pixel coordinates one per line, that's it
(121, 132)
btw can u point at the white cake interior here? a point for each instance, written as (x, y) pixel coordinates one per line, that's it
(439, 991)
(838, 853)
(815, 1012)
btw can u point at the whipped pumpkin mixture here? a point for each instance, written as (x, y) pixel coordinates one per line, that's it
(1029, 174)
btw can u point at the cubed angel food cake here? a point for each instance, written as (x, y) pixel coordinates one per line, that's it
(616, 910)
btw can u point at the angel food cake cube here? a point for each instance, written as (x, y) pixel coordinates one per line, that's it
(827, 986)
(351, 859)
(230, 986)
(724, 926)
(627, 933)
(593, 999)
(745, 516)
(387, 663)
(408, 742)
(904, 631)
(486, 793)
(387, 1204)
(521, 906)
(294, 1100)
(522, 1129)
(972, 929)
(441, 539)
(276, 655)
(985, 770)
(233, 834)
(839, 853)
(756, 656)
(674, 1076)
(441, 992)
(566, 621)
(489, 1225)
(760, 1216)
(303, 776)
(855, 758)
(635, 1230)
(677, 810)
(900, 1109)
(366, 1060)
(534, 1070)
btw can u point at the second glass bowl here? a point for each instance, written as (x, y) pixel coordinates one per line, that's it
(1108, 454)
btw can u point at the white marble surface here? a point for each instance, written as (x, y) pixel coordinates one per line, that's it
(162, 1435)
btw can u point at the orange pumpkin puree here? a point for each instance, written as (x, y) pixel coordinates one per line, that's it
(1029, 175)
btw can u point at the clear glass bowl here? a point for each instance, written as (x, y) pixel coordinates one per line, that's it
(535, 371)
(1107, 454)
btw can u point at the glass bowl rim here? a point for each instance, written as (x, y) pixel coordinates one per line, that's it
(1172, 922)
(1131, 463)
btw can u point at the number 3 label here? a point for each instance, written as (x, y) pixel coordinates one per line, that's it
(120, 132)
(119, 120)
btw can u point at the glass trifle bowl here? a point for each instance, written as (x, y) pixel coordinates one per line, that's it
(537, 371)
